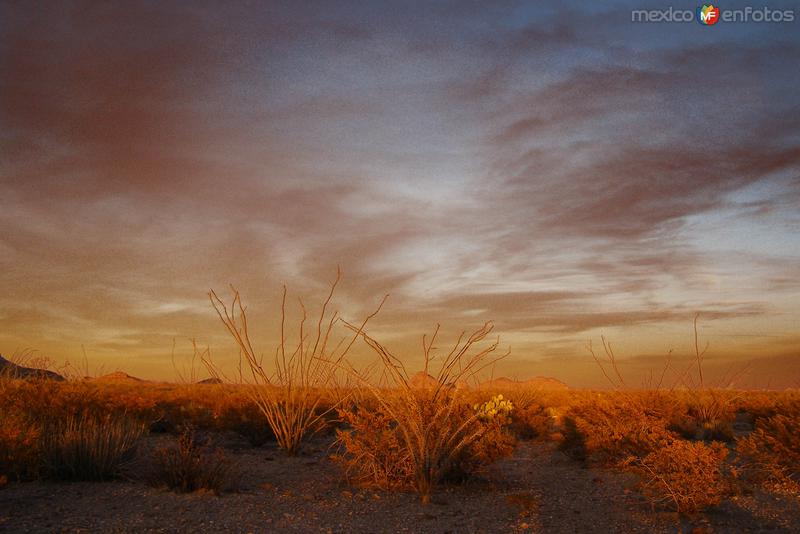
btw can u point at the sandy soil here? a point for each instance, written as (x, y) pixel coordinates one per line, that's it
(537, 490)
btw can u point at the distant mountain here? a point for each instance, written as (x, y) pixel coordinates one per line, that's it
(118, 377)
(9, 368)
(539, 382)
(426, 381)
(212, 380)
(422, 380)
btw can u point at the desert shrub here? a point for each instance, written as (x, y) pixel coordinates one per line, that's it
(190, 464)
(771, 453)
(494, 443)
(709, 416)
(243, 417)
(33, 415)
(375, 453)
(177, 411)
(435, 425)
(89, 447)
(687, 475)
(531, 421)
(372, 450)
(291, 396)
(759, 404)
(20, 456)
(611, 429)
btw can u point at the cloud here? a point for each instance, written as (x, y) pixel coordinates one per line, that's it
(477, 162)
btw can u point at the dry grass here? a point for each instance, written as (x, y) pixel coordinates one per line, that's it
(191, 464)
(84, 430)
(62, 430)
(89, 447)
(19, 446)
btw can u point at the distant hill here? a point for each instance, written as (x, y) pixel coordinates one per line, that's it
(119, 378)
(539, 382)
(212, 380)
(422, 380)
(9, 368)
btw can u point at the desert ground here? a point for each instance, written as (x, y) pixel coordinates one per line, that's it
(538, 489)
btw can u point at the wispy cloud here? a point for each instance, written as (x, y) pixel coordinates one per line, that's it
(564, 173)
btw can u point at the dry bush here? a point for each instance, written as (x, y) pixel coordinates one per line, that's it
(630, 430)
(687, 475)
(237, 413)
(639, 431)
(615, 426)
(531, 421)
(291, 396)
(709, 415)
(19, 434)
(374, 453)
(25, 407)
(20, 456)
(495, 442)
(711, 409)
(64, 430)
(191, 464)
(759, 404)
(534, 411)
(771, 453)
(611, 428)
(696, 411)
(215, 407)
(434, 425)
(89, 447)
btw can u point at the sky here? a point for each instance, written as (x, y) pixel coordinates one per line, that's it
(556, 168)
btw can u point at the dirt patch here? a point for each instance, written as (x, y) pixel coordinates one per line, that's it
(538, 489)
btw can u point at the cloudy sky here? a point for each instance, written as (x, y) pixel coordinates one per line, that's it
(561, 170)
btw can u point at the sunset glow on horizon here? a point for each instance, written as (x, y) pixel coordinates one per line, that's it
(563, 172)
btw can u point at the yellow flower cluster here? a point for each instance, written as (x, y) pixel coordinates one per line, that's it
(494, 409)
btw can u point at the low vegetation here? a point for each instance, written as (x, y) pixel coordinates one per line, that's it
(771, 454)
(431, 426)
(290, 394)
(401, 438)
(89, 446)
(190, 463)
(689, 475)
(691, 445)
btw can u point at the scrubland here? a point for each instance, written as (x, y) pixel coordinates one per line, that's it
(674, 466)
(307, 442)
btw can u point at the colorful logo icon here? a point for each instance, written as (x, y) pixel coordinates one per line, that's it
(708, 15)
